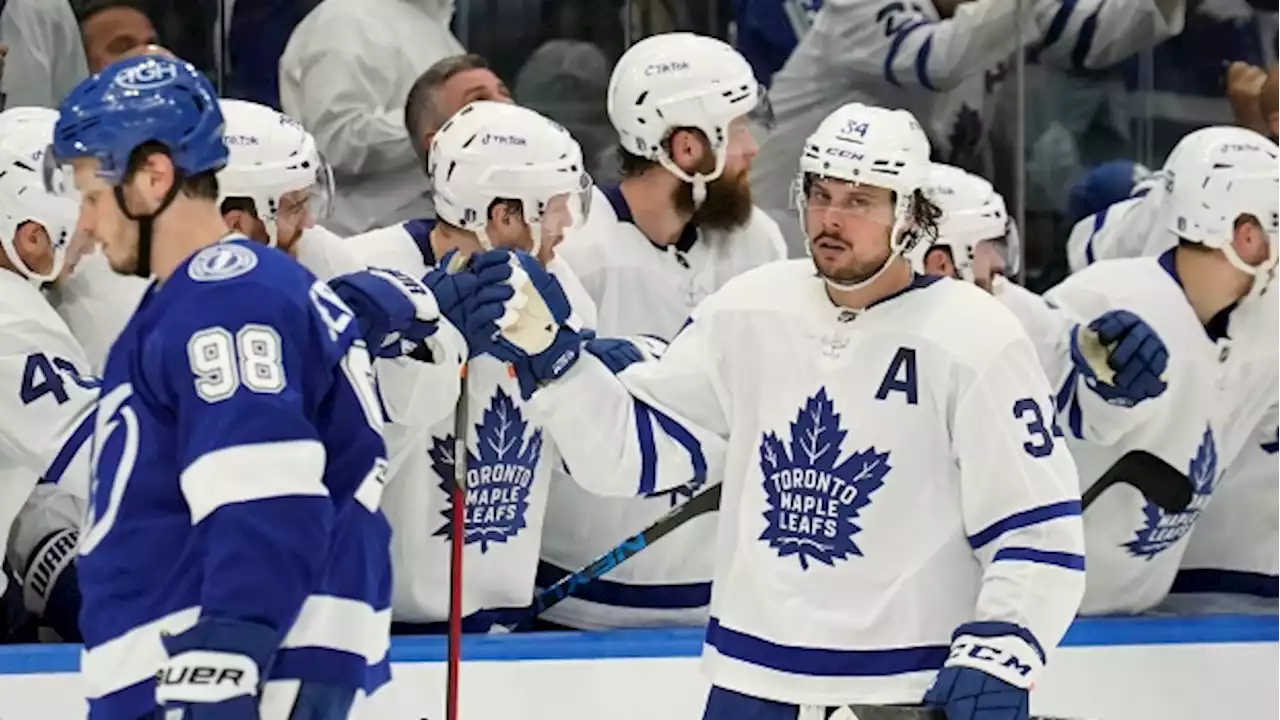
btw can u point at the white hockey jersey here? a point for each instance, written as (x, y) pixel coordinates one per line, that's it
(1130, 228)
(1134, 547)
(902, 55)
(888, 476)
(509, 464)
(641, 289)
(96, 302)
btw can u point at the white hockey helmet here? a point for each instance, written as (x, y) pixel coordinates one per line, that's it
(972, 213)
(869, 145)
(682, 80)
(492, 151)
(25, 136)
(1214, 176)
(270, 156)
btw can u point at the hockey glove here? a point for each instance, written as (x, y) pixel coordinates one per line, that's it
(394, 311)
(527, 328)
(618, 354)
(216, 669)
(988, 673)
(49, 589)
(1121, 358)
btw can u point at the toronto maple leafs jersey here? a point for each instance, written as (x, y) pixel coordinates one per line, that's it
(1134, 547)
(237, 473)
(901, 54)
(641, 289)
(96, 302)
(1134, 227)
(509, 463)
(889, 475)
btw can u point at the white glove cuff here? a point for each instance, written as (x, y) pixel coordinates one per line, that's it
(206, 676)
(1007, 657)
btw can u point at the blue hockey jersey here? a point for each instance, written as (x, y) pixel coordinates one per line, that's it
(237, 470)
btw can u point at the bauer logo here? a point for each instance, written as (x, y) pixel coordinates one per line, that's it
(499, 476)
(149, 75)
(814, 496)
(1161, 530)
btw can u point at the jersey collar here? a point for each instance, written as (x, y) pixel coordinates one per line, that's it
(613, 193)
(420, 231)
(1218, 325)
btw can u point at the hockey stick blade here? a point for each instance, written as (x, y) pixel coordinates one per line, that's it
(1158, 481)
(870, 712)
(704, 502)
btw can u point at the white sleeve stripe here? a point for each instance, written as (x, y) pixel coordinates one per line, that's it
(245, 473)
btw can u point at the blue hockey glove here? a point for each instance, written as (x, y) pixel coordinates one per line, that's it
(527, 328)
(618, 354)
(988, 673)
(49, 589)
(1121, 358)
(451, 289)
(395, 312)
(470, 299)
(216, 670)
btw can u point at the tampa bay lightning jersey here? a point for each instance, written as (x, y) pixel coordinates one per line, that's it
(889, 475)
(237, 472)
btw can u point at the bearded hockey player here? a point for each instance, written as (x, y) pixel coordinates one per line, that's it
(647, 256)
(234, 553)
(48, 419)
(894, 481)
(1189, 299)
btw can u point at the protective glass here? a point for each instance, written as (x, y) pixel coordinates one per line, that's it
(1009, 248)
(59, 178)
(566, 211)
(762, 115)
(315, 200)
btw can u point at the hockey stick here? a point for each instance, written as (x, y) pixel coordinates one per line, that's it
(1158, 481)
(457, 527)
(700, 504)
(872, 712)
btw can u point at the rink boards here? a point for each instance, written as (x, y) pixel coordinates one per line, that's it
(1109, 669)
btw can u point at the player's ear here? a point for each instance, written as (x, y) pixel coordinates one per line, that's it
(938, 262)
(239, 221)
(690, 150)
(31, 241)
(1249, 240)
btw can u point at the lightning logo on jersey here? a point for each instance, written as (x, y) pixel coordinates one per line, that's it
(814, 500)
(498, 479)
(1162, 530)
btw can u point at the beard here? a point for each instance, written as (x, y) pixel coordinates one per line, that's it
(726, 207)
(849, 270)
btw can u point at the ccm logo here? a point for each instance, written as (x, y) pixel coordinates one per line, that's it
(987, 653)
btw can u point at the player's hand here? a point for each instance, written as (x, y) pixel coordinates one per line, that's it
(1121, 358)
(527, 328)
(215, 669)
(1245, 84)
(966, 693)
(395, 312)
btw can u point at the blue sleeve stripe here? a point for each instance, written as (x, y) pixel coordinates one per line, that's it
(1026, 518)
(922, 64)
(1271, 448)
(1234, 582)
(67, 453)
(1084, 40)
(1058, 25)
(677, 432)
(648, 453)
(1070, 561)
(1099, 219)
(995, 628)
(1075, 418)
(823, 662)
(1064, 392)
(896, 47)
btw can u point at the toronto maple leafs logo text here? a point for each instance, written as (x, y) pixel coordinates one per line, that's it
(499, 474)
(1162, 530)
(814, 498)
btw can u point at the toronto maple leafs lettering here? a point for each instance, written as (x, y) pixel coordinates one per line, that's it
(499, 474)
(1162, 530)
(814, 498)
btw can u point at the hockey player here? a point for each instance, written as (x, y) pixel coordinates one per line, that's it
(647, 256)
(233, 534)
(43, 432)
(974, 231)
(501, 176)
(940, 59)
(896, 505)
(1223, 199)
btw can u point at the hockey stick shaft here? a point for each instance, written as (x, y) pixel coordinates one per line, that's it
(457, 529)
(704, 502)
(1158, 481)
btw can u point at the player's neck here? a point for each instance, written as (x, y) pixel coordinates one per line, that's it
(1210, 283)
(184, 228)
(894, 279)
(445, 239)
(652, 209)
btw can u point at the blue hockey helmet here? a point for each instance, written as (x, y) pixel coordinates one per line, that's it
(137, 100)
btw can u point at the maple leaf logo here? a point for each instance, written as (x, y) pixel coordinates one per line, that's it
(499, 475)
(814, 499)
(1161, 530)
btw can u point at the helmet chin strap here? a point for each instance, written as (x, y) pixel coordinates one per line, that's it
(146, 223)
(1263, 273)
(894, 253)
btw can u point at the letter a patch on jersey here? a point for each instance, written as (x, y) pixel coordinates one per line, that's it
(1161, 530)
(499, 476)
(814, 498)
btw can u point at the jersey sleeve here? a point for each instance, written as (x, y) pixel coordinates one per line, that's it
(905, 46)
(1021, 509)
(653, 426)
(46, 410)
(1050, 322)
(243, 377)
(1097, 34)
